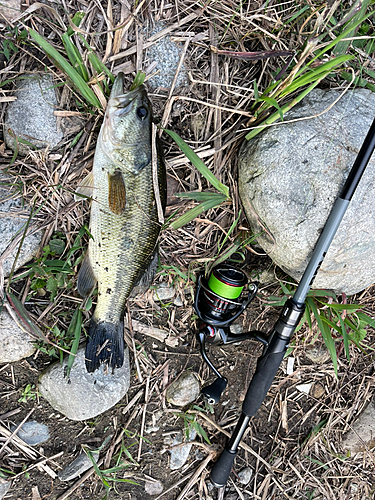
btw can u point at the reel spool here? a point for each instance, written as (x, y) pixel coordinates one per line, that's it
(218, 299)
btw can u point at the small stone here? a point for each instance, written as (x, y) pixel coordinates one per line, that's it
(14, 222)
(80, 465)
(305, 388)
(15, 343)
(317, 391)
(149, 429)
(84, 395)
(362, 432)
(166, 54)
(154, 487)
(290, 365)
(31, 116)
(32, 432)
(317, 353)
(178, 301)
(4, 487)
(245, 475)
(164, 293)
(184, 390)
(236, 328)
(179, 454)
(10, 9)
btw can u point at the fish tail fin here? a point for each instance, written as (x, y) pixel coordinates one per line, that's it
(105, 344)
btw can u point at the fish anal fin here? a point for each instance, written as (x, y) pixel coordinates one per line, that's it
(85, 188)
(86, 281)
(116, 193)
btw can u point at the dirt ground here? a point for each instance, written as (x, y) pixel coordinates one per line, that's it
(293, 444)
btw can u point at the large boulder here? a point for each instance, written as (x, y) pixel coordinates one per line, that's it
(291, 174)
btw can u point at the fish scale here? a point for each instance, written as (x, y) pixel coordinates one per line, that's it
(123, 221)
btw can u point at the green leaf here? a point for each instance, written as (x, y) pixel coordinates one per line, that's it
(345, 336)
(194, 212)
(256, 92)
(200, 196)
(138, 80)
(272, 102)
(342, 46)
(56, 245)
(75, 57)
(75, 328)
(198, 163)
(326, 333)
(67, 69)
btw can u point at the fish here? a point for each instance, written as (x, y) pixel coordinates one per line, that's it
(124, 221)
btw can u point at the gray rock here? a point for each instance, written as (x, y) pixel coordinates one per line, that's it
(184, 390)
(154, 487)
(166, 54)
(15, 343)
(178, 301)
(164, 293)
(84, 395)
(31, 115)
(245, 475)
(80, 465)
(317, 353)
(290, 176)
(362, 433)
(14, 222)
(179, 454)
(4, 487)
(32, 432)
(10, 9)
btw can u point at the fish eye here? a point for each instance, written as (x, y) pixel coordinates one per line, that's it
(142, 113)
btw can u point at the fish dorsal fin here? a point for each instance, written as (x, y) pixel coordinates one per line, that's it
(85, 188)
(116, 193)
(86, 281)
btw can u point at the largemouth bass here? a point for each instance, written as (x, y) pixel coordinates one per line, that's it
(124, 219)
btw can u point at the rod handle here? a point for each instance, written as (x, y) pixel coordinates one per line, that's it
(265, 373)
(220, 472)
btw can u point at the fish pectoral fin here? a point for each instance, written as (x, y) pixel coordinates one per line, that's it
(116, 193)
(86, 280)
(85, 188)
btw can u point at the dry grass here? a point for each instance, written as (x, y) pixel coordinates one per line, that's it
(211, 112)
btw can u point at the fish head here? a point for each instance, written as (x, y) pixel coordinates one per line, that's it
(126, 130)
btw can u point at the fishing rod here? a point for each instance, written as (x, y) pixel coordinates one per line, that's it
(218, 302)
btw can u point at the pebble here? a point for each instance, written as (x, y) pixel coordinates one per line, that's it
(84, 395)
(166, 54)
(31, 115)
(178, 301)
(15, 343)
(32, 432)
(180, 454)
(80, 465)
(164, 293)
(362, 432)
(154, 487)
(317, 390)
(12, 205)
(4, 487)
(184, 390)
(245, 475)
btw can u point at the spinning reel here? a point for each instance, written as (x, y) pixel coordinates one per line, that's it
(219, 301)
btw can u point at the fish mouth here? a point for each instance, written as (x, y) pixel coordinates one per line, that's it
(120, 102)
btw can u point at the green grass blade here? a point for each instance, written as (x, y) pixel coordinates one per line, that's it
(345, 336)
(194, 212)
(76, 20)
(74, 327)
(342, 46)
(364, 317)
(138, 80)
(200, 196)
(326, 333)
(69, 71)
(271, 119)
(198, 163)
(231, 229)
(75, 57)
(97, 64)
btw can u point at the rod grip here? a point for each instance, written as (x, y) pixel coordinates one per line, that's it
(265, 373)
(222, 467)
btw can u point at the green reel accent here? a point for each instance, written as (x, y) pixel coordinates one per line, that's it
(230, 292)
